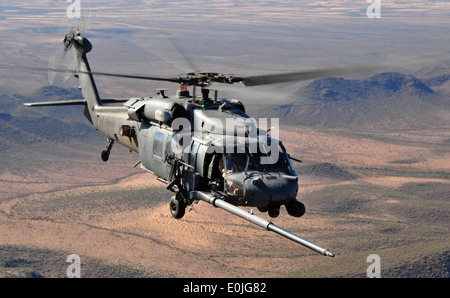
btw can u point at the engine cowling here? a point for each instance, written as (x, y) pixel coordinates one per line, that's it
(159, 110)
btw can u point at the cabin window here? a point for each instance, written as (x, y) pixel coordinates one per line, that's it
(158, 142)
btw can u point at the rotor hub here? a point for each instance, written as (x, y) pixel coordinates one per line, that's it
(74, 37)
(203, 79)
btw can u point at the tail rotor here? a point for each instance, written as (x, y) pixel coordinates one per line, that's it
(62, 58)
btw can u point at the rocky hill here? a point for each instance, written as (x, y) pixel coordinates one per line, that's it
(383, 101)
(325, 170)
(26, 132)
(26, 125)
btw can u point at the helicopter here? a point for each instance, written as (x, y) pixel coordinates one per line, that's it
(204, 148)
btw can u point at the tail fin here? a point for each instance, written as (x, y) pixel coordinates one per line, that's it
(81, 46)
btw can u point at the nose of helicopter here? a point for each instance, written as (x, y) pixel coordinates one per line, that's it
(262, 190)
(270, 189)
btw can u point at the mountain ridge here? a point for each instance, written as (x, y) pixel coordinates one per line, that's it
(383, 101)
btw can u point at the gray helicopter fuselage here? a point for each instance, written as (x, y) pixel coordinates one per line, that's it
(201, 136)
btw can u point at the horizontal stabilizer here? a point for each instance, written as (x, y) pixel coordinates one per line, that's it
(77, 102)
(115, 100)
(56, 103)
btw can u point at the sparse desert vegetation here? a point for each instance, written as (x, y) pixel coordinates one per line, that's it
(375, 176)
(117, 218)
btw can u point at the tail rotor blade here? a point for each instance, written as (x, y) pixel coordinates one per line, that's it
(62, 59)
(65, 59)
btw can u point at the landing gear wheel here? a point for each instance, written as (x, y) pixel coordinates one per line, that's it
(177, 207)
(105, 155)
(263, 209)
(274, 212)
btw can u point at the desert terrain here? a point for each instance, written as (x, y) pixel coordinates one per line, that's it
(375, 176)
(116, 218)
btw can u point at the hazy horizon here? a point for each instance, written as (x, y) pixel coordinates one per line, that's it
(250, 37)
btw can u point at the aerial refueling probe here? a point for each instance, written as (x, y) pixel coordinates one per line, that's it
(215, 200)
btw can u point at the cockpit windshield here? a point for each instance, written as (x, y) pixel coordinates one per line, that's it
(258, 160)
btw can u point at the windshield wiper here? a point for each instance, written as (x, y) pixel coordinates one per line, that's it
(246, 163)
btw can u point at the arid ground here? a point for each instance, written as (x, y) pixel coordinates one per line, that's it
(374, 193)
(380, 184)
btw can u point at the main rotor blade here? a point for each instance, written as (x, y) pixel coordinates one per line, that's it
(405, 62)
(165, 49)
(256, 95)
(305, 75)
(173, 80)
(63, 70)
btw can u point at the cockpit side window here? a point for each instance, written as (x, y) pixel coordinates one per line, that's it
(235, 162)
